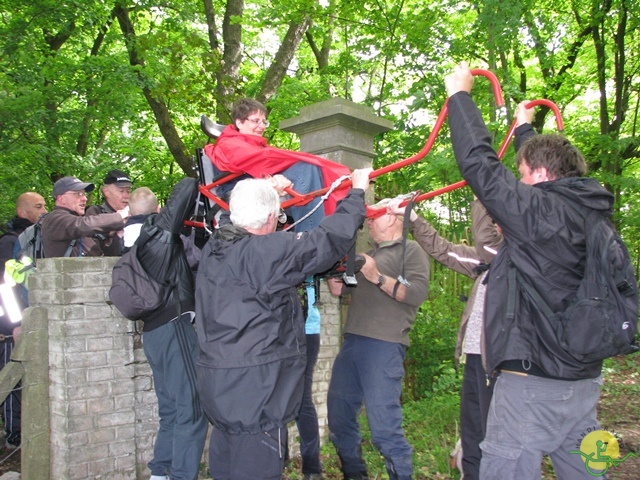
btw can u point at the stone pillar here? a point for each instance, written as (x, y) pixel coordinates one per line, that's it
(344, 132)
(103, 410)
(339, 130)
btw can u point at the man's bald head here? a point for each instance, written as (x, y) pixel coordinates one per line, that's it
(30, 205)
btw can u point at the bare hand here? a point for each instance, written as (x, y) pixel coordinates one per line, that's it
(335, 286)
(280, 182)
(124, 213)
(360, 178)
(523, 114)
(370, 268)
(394, 207)
(16, 333)
(460, 80)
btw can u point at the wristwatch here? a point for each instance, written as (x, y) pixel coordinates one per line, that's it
(381, 280)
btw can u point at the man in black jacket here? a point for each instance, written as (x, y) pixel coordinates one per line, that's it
(30, 206)
(544, 401)
(169, 340)
(250, 324)
(116, 189)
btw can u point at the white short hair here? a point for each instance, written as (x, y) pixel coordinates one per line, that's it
(252, 201)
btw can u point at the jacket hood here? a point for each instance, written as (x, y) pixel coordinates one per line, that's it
(584, 191)
(18, 224)
(224, 237)
(231, 233)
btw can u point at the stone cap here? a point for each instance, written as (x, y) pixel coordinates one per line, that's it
(336, 111)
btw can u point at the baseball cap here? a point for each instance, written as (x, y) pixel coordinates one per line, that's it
(71, 184)
(118, 177)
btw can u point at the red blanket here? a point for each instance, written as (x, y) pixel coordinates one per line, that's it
(238, 152)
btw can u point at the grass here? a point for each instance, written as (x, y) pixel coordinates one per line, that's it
(430, 427)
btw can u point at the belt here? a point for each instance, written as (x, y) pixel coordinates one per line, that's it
(523, 368)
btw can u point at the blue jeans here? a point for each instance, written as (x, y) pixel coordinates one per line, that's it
(306, 178)
(533, 416)
(307, 420)
(369, 371)
(171, 352)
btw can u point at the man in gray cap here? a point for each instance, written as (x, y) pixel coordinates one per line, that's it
(66, 232)
(116, 188)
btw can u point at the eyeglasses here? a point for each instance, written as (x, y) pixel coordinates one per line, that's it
(80, 193)
(282, 217)
(258, 121)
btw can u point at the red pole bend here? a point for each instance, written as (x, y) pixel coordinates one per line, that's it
(497, 93)
(547, 103)
(553, 107)
(495, 84)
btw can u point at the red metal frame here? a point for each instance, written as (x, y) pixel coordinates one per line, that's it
(371, 212)
(302, 199)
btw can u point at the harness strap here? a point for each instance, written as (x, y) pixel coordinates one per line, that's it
(405, 234)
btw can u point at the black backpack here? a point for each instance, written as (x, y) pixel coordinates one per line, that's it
(602, 321)
(133, 291)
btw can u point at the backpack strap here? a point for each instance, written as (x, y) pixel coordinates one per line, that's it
(67, 252)
(405, 233)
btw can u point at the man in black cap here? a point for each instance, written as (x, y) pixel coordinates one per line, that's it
(66, 232)
(116, 188)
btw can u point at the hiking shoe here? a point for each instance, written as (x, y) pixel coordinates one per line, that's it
(10, 446)
(312, 476)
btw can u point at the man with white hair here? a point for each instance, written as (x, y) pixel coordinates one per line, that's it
(250, 323)
(116, 189)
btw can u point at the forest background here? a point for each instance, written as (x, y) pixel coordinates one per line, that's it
(91, 85)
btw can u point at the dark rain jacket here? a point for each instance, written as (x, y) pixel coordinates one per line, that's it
(544, 239)
(62, 225)
(249, 319)
(161, 252)
(109, 242)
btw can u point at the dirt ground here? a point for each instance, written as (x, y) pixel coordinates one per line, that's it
(9, 461)
(620, 415)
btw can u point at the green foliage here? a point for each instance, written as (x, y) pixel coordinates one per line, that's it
(627, 366)
(430, 357)
(71, 102)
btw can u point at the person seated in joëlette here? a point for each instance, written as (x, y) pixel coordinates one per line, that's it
(242, 148)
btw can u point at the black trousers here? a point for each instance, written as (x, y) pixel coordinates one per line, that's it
(307, 420)
(12, 406)
(247, 456)
(474, 407)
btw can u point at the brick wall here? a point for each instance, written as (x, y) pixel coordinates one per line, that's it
(103, 411)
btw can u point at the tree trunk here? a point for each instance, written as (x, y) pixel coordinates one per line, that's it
(157, 104)
(227, 75)
(278, 69)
